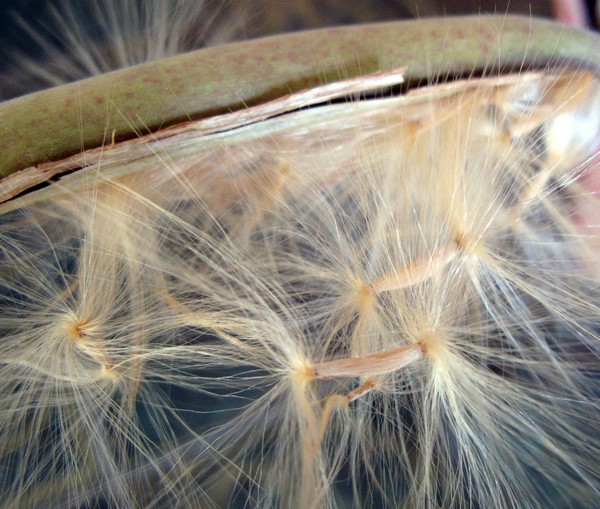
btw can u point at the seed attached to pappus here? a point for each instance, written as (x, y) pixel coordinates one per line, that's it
(355, 277)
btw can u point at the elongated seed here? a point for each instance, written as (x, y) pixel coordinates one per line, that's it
(415, 272)
(375, 364)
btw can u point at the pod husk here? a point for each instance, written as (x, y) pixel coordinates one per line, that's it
(59, 122)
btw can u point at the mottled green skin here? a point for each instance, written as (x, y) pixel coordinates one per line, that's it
(59, 122)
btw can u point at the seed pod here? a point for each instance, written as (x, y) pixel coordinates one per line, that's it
(328, 269)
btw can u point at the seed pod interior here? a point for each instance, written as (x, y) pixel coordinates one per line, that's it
(387, 300)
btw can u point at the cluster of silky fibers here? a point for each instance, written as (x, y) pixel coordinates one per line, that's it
(386, 303)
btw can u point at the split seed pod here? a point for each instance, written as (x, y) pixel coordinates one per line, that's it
(341, 268)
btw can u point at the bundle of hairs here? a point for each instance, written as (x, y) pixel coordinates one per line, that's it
(389, 301)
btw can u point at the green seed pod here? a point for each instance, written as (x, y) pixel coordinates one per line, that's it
(62, 121)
